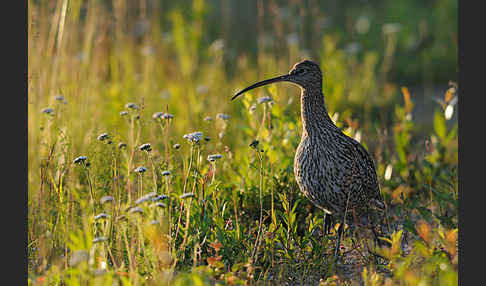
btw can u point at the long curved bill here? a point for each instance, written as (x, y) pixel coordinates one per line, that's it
(284, 77)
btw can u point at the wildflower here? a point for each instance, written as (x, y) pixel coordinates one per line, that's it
(214, 157)
(254, 144)
(362, 24)
(140, 169)
(135, 210)
(217, 45)
(186, 195)
(167, 116)
(159, 198)
(47, 110)
(157, 115)
(80, 159)
(160, 205)
(391, 28)
(123, 112)
(131, 105)
(166, 173)
(106, 199)
(207, 138)
(59, 98)
(146, 147)
(264, 99)
(145, 198)
(223, 116)
(122, 145)
(208, 118)
(221, 135)
(176, 146)
(99, 239)
(103, 136)
(193, 137)
(101, 216)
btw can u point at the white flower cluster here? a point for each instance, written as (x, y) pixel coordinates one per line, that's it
(193, 137)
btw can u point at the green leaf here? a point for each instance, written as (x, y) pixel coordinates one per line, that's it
(425, 212)
(440, 127)
(452, 134)
(410, 226)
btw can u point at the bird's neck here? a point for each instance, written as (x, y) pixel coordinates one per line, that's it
(315, 119)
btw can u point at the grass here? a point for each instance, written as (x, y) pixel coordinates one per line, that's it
(238, 219)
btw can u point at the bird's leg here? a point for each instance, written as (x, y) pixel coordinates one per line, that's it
(338, 243)
(328, 223)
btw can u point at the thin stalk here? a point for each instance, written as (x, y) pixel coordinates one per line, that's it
(154, 171)
(257, 242)
(186, 228)
(169, 208)
(214, 172)
(140, 184)
(184, 191)
(188, 170)
(91, 191)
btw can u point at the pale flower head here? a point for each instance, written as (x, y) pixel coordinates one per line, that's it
(146, 147)
(264, 99)
(140, 169)
(145, 198)
(131, 105)
(80, 159)
(103, 136)
(214, 157)
(193, 137)
(223, 116)
(166, 173)
(47, 110)
(106, 199)
(157, 115)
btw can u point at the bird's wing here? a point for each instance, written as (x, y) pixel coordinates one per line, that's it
(367, 170)
(359, 175)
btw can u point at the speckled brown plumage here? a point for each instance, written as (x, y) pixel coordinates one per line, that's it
(334, 171)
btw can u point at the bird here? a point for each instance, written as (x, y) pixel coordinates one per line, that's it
(334, 171)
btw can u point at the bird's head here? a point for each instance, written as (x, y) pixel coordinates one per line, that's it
(305, 74)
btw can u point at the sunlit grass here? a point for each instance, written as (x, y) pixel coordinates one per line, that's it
(143, 171)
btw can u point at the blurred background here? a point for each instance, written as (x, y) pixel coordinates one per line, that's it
(402, 43)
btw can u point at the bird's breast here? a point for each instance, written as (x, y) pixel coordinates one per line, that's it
(315, 171)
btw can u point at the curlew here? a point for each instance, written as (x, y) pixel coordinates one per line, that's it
(334, 171)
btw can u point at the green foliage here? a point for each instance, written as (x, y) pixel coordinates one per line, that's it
(240, 219)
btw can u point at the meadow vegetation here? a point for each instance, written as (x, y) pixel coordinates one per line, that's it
(142, 171)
